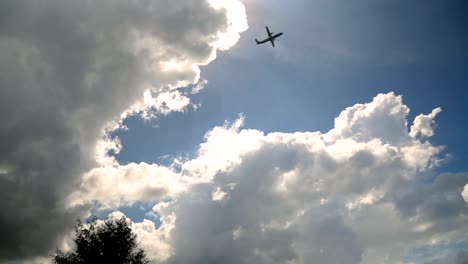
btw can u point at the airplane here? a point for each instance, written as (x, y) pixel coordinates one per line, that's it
(270, 38)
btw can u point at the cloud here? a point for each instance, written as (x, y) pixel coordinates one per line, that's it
(359, 193)
(72, 69)
(115, 186)
(423, 124)
(454, 257)
(462, 257)
(465, 193)
(384, 118)
(150, 238)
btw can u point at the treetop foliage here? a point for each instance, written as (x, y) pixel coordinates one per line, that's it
(110, 242)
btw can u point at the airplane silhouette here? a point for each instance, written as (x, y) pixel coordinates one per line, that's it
(270, 38)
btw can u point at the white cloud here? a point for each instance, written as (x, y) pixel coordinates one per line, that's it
(424, 124)
(355, 194)
(222, 151)
(236, 19)
(384, 118)
(465, 193)
(237, 232)
(199, 86)
(152, 240)
(114, 186)
(218, 195)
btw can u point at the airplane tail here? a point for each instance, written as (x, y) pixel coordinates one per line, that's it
(256, 41)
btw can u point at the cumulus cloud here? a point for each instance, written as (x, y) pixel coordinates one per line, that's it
(384, 118)
(123, 185)
(355, 194)
(424, 124)
(150, 238)
(72, 69)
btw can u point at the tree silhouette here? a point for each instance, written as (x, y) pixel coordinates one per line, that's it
(110, 242)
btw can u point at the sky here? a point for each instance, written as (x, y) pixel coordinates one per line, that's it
(344, 143)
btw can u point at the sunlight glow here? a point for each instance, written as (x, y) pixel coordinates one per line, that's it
(237, 22)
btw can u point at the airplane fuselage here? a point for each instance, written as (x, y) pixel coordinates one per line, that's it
(271, 38)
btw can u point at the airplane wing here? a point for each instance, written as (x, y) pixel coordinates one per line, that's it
(272, 40)
(268, 31)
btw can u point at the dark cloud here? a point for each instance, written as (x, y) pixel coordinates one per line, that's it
(440, 200)
(462, 257)
(68, 69)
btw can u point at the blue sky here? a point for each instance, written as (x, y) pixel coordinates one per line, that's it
(416, 50)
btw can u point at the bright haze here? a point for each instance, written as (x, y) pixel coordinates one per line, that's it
(344, 143)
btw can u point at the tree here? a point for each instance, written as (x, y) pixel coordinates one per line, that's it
(108, 242)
